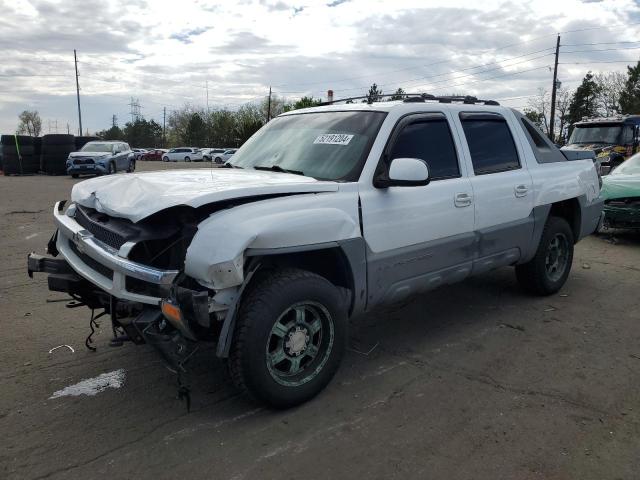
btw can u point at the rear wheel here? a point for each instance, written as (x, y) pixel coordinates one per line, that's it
(132, 166)
(547, 272)
(165, 159)
(290, 337)
(218, 160)
(187, 159)
(74, 175)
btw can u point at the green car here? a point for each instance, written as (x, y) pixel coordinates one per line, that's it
(621, 193)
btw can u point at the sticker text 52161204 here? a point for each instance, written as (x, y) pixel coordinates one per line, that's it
(333, 139)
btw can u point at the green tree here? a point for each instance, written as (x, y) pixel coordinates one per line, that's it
(114, 133)
(584, 102)
(249, 119)
(399, 94)
(221, 128)
(304, 102)
(374, 94)
(30, 123)
(143, 133)
(536, 117)
(630, 95)
(195, 134)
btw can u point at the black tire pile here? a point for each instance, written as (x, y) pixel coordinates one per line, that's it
(21, 159)
(81, 141)
(55, 151)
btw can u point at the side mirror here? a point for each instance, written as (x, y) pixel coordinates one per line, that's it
(405, 172)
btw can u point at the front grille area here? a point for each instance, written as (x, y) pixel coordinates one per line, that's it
(91, 263)
(113, 239)
(141, 287)
(83, 161)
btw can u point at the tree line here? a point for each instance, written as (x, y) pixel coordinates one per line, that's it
(598, 95)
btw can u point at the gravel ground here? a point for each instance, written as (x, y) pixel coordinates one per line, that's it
(473, 381)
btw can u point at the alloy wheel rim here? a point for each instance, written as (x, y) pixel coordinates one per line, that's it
(557, 257)
(299, 343)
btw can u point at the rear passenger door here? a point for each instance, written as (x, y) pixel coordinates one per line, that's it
(502, 189)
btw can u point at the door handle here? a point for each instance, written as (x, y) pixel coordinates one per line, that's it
(462, 200)
(521, 190)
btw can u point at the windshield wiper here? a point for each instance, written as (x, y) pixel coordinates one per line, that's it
(277, 168)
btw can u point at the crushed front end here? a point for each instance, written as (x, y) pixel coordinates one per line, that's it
(622, 212)
(132, 272)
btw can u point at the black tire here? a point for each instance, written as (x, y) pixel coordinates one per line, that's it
(24, 150)
(55, 164)
(538, 276)
(57, 149)
(218, 160)
(132, 166)
(81, 141)
(187, 159)
(165, 159)
(10, 140)
(268, 302)
(27, 164)
(112, 168)
(58, 139)
(74, 175)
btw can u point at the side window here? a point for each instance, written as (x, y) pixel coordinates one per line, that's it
(627, 135)
(429, 140)
(490, 143)
(535, 135)
(126, 147)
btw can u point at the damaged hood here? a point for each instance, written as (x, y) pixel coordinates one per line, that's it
(136, 196)
(620, 186)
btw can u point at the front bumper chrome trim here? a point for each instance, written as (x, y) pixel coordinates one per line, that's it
(71, 232)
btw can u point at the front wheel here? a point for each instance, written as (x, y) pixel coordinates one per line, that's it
(548, 270)
(132, 166)
(187, 159)
(165, 159)
(290, 337)
(111, 169)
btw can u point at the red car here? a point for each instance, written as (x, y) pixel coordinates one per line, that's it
(154, 155)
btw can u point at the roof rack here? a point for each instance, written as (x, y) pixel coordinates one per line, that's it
(417, 98)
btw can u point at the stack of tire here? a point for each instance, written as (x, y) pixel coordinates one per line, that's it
(55, 151)
(81, 141)
(18, 156)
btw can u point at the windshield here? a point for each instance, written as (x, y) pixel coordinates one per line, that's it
(611, 134)
(97, 147)
(326, 145)
(629, 167)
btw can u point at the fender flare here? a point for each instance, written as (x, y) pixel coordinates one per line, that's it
(355, 254)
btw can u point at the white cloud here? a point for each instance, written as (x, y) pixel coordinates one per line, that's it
(165, 52)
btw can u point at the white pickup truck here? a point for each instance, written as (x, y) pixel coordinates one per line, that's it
(324, 213)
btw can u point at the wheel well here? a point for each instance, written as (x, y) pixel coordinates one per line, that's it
(330, 263)
(570, 211)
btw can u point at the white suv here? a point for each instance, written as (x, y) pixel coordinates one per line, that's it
(187, 154)
(323, 214)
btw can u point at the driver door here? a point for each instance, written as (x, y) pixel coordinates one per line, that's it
(419, 237)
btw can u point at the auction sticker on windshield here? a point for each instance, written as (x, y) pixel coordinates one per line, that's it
(333, 139)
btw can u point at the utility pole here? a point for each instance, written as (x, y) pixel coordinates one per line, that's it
(269, 107)
(68, 131)
(207, 87)
(114, 120)
(553, 92)
(164, 124)
(75, 59)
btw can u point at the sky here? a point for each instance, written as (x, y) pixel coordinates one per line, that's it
(224, 54)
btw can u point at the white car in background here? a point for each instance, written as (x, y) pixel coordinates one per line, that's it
(210, 153)
(224, 156)
(188, 154)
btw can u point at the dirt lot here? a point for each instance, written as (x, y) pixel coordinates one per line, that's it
(474, 381)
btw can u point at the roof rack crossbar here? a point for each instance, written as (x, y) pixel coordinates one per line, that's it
(417, 97)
